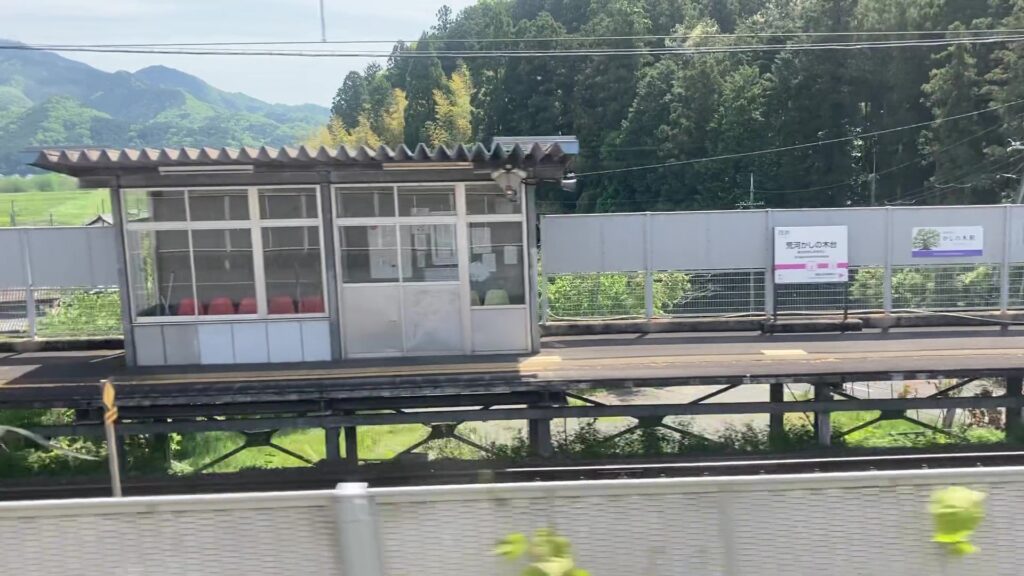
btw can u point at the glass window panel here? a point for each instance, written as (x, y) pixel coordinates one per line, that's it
(218, 205)
(154, 205)
(429, 253)
(489, 199)
(496, 264)
(426, 201)
(161, 273)
(369, 254)
(287, 203)
(291, 263)
(372, 202)
(223, 270)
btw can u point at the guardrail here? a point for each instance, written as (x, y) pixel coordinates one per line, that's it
(837, 524)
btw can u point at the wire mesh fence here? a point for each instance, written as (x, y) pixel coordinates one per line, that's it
(60, 313)
(709, 292)
(856, 295)
(736, 292)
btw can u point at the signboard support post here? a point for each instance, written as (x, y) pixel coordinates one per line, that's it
(109, 417)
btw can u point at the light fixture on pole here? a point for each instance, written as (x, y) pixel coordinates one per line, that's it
(510, 180)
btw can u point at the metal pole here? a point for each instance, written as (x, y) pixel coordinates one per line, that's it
(648, 272)
(1014, 423)
(109, 417)
(332, 446)
(30, 288)
(352, 444)
(776, 422)
(769, 271)
(823, 418)
(358, 544)
(874, 170)
(323, 23)
(1004, 273)
(887, 273)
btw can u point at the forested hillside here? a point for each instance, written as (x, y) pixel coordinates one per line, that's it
(643, 109)
(49, 100)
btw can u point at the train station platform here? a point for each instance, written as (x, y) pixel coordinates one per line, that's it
(69, 379)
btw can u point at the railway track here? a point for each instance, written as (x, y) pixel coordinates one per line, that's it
(326, 476)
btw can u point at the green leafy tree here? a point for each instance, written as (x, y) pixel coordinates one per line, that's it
(423, 77)
(453, 109)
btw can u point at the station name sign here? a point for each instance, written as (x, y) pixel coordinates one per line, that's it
(811, 255)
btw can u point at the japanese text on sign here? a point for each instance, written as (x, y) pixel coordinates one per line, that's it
(811, 254)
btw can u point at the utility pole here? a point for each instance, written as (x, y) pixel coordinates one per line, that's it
(1016, 147)
(874, 171)
(750, 204)
(323, 23)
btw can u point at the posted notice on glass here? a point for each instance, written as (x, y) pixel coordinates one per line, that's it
(811, 255)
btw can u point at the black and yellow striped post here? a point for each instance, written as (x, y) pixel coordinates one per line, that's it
(109, 418)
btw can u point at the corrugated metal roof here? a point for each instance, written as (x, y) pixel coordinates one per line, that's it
(76, 161)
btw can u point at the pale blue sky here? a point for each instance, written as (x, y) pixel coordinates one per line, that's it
(285, 80)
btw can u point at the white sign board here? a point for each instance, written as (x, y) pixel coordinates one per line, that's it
(947, 241)
(811, 255)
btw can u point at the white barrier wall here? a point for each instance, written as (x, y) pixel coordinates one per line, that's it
(60, 257)
(740, 239)
(835, 524)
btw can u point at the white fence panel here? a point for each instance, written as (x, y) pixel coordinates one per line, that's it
(59, 257)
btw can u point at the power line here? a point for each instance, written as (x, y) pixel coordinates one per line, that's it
(935, 188)
(634, 51)
(891, 168)
(796, 146)
(867, 33)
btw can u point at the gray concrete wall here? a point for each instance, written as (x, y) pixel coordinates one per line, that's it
(835, 524)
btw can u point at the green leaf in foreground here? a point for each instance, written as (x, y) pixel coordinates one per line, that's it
(957, 512)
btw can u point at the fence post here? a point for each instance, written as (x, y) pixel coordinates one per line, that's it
(648, 272)
(887, 273)
(769, 271)
(356, 520)
(1004, 273)
(30, 295)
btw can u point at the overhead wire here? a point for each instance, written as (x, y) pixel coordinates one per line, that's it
(934, 188)
(631, 51)
(889, 170)
(867, 33)
(795, 146)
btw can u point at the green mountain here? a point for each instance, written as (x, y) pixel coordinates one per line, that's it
(49, 100)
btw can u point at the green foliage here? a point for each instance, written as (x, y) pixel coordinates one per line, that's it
(641, 109)
(95, 313)
(957, 512)
(546, 554)
(614, 295)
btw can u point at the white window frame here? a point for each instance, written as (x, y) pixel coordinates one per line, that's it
(525, 255)
(461, 220)
(255, 225)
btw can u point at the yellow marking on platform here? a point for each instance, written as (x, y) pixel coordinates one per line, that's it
(793, 352)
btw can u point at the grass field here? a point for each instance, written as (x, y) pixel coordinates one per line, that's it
(67, 208)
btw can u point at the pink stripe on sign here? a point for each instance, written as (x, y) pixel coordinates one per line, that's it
(821, 265)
